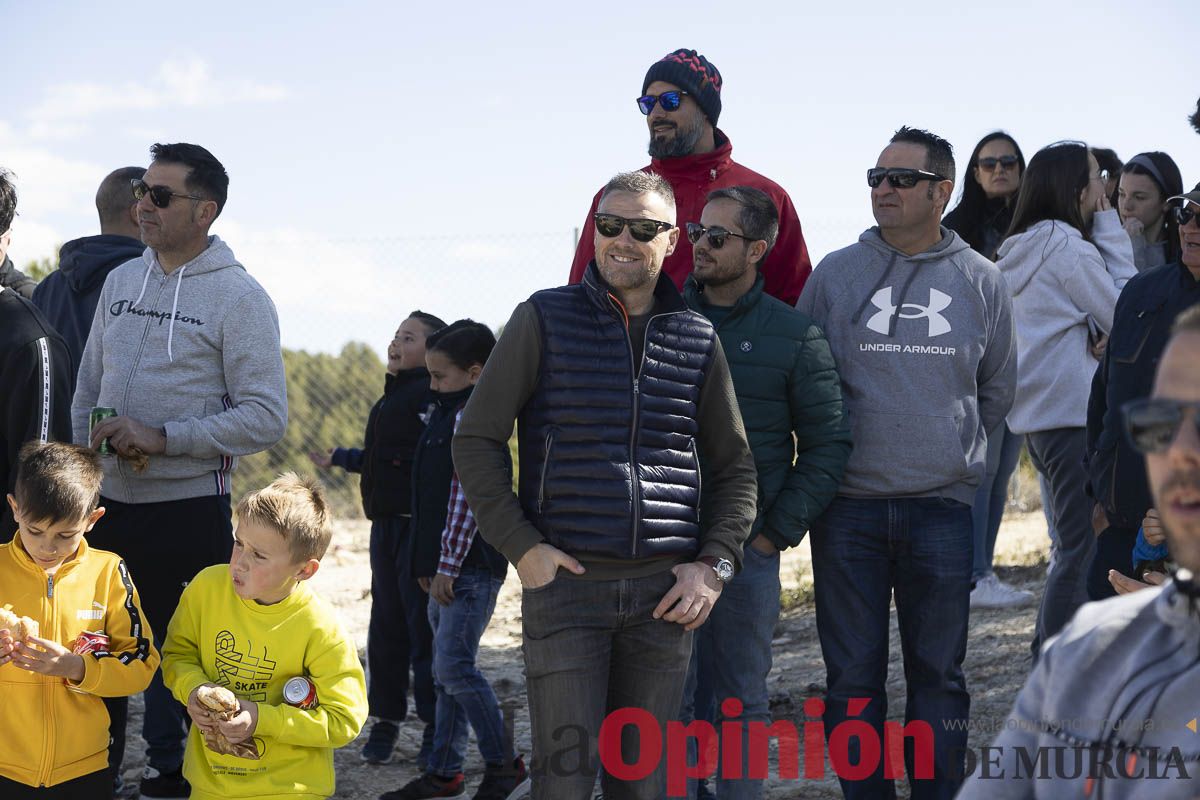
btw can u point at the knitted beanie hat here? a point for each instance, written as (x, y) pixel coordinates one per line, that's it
(693, 73)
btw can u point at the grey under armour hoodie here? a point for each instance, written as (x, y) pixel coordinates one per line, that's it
(195, 352)
(925, 349)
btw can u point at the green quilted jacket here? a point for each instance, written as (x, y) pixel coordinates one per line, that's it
(791, 402)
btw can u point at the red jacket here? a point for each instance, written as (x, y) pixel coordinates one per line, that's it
(693, 177)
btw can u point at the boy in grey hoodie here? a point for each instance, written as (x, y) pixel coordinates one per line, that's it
(921, 328)
(185, 346)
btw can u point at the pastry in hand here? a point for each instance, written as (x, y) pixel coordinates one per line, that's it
(223, 705)
(21, 628)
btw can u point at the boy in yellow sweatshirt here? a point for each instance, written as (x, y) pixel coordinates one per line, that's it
(252, 625)
(92, 639)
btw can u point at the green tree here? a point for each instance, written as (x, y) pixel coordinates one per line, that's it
(38, 269)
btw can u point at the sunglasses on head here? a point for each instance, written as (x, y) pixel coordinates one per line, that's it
(716, 235)
(1184, 214)
(900, 178)
(989, 164)
(159, 195)
(1152, 424)
(668, 100)
(642, 230)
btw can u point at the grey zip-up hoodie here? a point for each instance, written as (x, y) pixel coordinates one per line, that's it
(1059, 280)
(924, 347)
(195, 352)
(1110, 709)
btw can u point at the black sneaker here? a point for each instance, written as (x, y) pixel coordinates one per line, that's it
(428, 786)
(500, 781)
(381, 742)
(164, 785)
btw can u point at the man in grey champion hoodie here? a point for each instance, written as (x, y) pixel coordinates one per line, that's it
(921, 328)
(185, 346)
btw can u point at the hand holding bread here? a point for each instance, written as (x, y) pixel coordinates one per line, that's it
(222, 708)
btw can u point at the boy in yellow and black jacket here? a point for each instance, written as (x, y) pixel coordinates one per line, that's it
(56, 741)
(249, 627)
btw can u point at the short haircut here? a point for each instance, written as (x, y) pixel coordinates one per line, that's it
(207, 177)
(295, 507)
(430, 322)
(1188, 321)
(939, 154)
(114, 198)
(757, 213)
(8, 200)
(57, 482)
(640, 183)
(1050, 188)
(465, 342)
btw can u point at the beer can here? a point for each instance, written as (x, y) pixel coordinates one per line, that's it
(98, 415)
(300, 692)
(90, 642)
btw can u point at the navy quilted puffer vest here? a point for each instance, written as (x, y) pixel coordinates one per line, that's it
(609, 465)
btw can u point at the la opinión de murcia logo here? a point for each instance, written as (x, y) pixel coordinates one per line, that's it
(938, 302)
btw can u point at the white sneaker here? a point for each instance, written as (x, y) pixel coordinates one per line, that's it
(991, 592)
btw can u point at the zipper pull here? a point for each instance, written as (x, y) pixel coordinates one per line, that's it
(49, 587)
(635, 386)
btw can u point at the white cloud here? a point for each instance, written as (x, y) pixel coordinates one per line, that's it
(179, 83)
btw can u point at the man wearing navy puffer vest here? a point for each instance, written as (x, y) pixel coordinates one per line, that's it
(621, 394)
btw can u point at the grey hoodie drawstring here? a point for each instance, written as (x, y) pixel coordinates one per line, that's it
(174, 307)
(900, 303)
(143, 291)
(858, 314)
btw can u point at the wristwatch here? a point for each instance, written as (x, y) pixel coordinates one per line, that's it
(722, 566)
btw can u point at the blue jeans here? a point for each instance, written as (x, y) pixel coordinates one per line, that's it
(591, 648)
(731, 657)
(1003, 452)
(464, 696)
(920, 548)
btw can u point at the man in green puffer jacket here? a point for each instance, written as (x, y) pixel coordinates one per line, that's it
(790, 398)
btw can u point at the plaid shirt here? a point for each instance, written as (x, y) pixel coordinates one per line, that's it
(460, 528)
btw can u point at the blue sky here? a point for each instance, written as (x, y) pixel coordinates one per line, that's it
(388, 156)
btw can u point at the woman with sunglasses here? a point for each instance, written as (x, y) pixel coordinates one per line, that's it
(1141, 327)
(1066, 259)
(981, 218)
(1147, 180)
(984, 209)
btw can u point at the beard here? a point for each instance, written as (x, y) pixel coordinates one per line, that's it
(680, 145)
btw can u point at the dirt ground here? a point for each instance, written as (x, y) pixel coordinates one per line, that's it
(998, 658)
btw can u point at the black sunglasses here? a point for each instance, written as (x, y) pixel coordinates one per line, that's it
(1152, 424)
(668, 100)
(159, 195)
(989, 164)
(716, 235)
(1184, 214)
(642, 230)
(900, 178)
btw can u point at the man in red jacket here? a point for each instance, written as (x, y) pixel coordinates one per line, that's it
(681, 98)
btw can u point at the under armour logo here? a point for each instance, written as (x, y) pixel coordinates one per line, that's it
(746, 346)
(938, 302)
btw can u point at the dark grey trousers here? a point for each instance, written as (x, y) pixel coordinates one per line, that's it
(1058, 455)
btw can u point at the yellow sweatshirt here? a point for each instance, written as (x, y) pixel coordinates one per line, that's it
(56, 731)
(251, 649)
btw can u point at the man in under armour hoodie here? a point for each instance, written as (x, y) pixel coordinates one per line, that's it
(921, 328)
(185, 346)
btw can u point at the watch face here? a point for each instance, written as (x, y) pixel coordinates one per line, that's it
(724, 570)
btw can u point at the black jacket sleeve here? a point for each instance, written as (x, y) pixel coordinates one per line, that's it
(35, 405)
